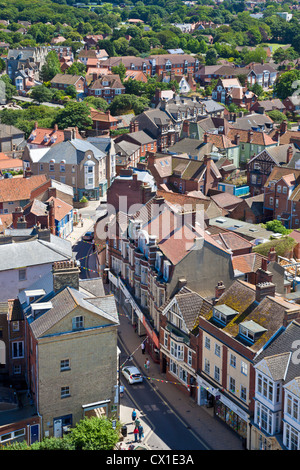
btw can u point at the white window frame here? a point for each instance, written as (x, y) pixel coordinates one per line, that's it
(65, 392)
(17, 349)
(78, 322)
(65, 364)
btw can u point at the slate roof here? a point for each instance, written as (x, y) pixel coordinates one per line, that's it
(193, 147)
(269, 105)
(9, 131)
(94, 286)
(34, 252)
(269, 314)
(278, 364)
(72, 151)
(279, 154)
(252, 121)
(65, 302)
(278, 347)
(189, 304)
(66, 79)
(126, 148)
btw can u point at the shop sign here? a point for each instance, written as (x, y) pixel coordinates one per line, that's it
(234, 408)
(113, 279)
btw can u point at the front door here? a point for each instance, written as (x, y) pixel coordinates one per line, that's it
(34, 433)
(57, 428)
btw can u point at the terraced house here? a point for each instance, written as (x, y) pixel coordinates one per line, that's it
(153, 253)
(68, 338)
(276, 424)
(211, 346)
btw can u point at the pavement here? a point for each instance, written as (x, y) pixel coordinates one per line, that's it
(89, 217)
(214, 433)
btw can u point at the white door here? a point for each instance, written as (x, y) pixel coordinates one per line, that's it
(57, 428)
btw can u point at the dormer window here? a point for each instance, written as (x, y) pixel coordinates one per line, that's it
(224, 314)
(77, 323)
(166, 272)
(158, 261)
(251, 330)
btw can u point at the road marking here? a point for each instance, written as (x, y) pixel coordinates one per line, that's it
(167, 405)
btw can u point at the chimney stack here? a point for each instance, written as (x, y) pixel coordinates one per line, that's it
(65, 274)
(186, 128)
(262, 273)
(289, 153)
(51, 211)
(220, 288)
(283, 127)
(16, 216)
(263, 290)
(272, 255)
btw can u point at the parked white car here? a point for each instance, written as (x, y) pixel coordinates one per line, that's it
(132, 374)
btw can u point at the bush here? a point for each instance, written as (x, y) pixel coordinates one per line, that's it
(283, 247)
(277, 227)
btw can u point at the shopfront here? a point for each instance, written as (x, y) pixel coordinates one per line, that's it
(223, 408)
(232, 415)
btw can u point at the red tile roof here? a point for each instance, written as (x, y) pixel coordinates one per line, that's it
(47, 137)
(61, 208)
(19, 189)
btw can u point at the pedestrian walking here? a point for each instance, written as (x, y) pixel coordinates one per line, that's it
(141, 432)
(148, 364)
(134, 415)
(136, 434)
(137, 422)
(121, 390)
(143, 347)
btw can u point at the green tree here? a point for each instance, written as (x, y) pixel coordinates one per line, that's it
(277, 227)
(277, 116)
(96, 102)
(2, 65)
(74, 114)
(77, 68)
(51, 67)
(119, 70)
(71, 91)
(125, 103)
(10, 89)
(120, 45)
(94, 434)
(41, 94)
(211, 56)
(257, 89)
(108, 46)
(286, 84)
